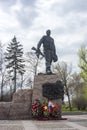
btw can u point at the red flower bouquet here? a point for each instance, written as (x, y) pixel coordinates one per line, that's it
(45, 109)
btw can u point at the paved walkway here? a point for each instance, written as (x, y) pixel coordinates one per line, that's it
(74, 122)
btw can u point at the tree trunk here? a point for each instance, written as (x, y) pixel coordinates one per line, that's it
(21, 81)
(2, 90)
(14, 80)
(11, 92)
(70, 107)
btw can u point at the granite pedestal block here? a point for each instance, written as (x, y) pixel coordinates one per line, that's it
(39, 80)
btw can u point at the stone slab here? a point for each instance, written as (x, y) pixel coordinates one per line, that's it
(19, 108)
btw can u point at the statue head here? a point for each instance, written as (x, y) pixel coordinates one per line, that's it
(48, 32)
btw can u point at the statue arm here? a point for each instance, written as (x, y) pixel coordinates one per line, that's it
(39, 43)
(54, 47)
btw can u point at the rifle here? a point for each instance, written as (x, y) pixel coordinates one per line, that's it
(38, 52)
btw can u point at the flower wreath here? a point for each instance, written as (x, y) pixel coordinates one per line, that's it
(45, 109)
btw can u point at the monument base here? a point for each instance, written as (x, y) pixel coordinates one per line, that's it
(39, 80)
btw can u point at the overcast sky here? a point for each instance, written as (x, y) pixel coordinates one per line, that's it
(29, 19)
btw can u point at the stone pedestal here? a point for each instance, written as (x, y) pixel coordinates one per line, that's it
(39, 80)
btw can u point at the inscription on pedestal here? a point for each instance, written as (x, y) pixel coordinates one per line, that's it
(53, 90)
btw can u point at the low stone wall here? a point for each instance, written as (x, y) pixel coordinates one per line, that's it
(19, 108)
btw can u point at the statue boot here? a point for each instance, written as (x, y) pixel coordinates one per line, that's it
(48, 70)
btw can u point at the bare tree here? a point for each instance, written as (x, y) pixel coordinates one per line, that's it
(64, 73)
(32, 63)
(76, 84)
(2, 70)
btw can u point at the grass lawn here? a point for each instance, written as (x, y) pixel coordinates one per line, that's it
(73, 109)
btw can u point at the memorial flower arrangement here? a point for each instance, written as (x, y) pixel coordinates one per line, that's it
(45, 109)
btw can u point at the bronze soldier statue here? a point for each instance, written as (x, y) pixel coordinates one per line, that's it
(49, 50)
